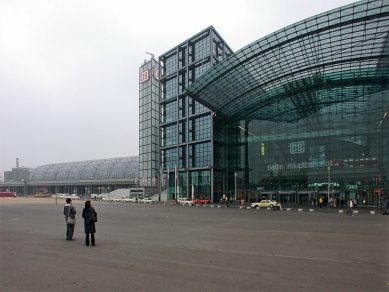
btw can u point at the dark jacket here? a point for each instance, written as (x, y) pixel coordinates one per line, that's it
(89, 226)
(66, 211)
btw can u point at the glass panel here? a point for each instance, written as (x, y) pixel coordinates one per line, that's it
(200, 155)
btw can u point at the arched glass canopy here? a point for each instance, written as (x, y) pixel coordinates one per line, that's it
(114, 168)
(330, 58)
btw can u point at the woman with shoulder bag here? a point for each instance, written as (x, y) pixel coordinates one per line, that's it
(70, 217)
(90, 217)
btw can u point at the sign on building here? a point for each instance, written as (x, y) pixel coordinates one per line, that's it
(144, 76)
(297, 147)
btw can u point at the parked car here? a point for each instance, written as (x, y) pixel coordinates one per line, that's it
(264, 203)
(185, 201)
(123, 199)
(147, 201)
(73, 197)
(205, 201)
(202, 201)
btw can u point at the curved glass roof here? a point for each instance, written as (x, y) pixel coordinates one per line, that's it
(114, 168)
(330, 58)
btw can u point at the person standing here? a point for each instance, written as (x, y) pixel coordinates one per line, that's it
(89, 225)
(342, 202)
(320, 201)
(355, 203)
(69, 211)
(227, 203)
(350, 207)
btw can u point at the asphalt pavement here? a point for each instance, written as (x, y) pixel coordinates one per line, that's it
(187, 248)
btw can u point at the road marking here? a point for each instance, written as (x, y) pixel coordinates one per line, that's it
(265, 254)
(229, 251)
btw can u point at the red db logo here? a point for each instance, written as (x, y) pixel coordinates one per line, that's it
(156, 73)
(144, 76)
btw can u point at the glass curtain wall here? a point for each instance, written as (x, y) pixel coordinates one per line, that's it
(186, 129)
(306, 108)
(343, 146)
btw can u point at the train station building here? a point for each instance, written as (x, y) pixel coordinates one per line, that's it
(299, 114)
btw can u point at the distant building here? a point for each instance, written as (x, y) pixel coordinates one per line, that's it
(17, 174)
(81, 177)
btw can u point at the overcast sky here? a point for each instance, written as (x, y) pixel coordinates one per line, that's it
(69, 69)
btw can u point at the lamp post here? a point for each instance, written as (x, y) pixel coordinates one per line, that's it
(328, 199)
(167, 184)
(158, 184)
(176, 186)
(235, 187)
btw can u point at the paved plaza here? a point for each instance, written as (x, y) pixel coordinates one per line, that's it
(182, 248)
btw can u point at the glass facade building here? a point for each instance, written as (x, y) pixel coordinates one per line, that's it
(80, 177)
(299, 114)
(186, 126)
(148, 122)
(101, 169)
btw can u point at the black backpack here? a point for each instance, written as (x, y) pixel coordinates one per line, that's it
(92, 217)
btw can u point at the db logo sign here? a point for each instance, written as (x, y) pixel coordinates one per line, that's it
(144, 76)
(297, 147)
(156, 73)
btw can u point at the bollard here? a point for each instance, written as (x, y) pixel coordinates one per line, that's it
(356, 211)
(268, 208)
(340, 211)
(248, 208)
(300, 210)
(311, 210)
(197, 205)
(212, 206)
(288, 209)
(372, 212)
(258, 208)
(219, 206)
(240, 207)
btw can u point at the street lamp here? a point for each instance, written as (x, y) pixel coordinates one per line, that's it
(158, 182)
(235, 186)
(56, 190)
(167, 183)
(328, 199)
